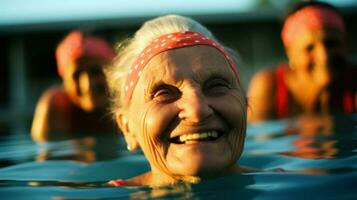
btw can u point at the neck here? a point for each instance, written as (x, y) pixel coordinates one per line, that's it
(159, 178)
(310, 96)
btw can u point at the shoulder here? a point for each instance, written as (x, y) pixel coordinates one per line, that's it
(262, 94)
(264, 81)
(140, 180)
(50, 117)
(55, 97)
(265, 75)
(54, 92)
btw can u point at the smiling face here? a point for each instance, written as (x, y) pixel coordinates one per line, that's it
(318, 53)
(85, 83)
(187, 113)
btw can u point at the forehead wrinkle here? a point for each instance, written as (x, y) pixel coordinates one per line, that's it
(196, 60)
(211, 67)
(201, 62)
(160, 69)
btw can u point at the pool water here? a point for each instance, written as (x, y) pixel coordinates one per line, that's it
(294, 164)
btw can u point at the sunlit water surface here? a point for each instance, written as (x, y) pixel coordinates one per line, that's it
(313, 166)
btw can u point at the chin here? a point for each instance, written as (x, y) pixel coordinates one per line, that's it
(205, 168)
(89, 108)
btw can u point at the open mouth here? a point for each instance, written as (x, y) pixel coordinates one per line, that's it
(196, 137)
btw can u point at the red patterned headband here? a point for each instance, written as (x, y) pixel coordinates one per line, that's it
(76, 45)
(310, 18)
(165, 43)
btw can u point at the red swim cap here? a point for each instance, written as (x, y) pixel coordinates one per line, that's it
(310, 18)
(76, 45)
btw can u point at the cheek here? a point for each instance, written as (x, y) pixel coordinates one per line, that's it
(154, 127)
(159, 118)
(72, 86)
(83, 82)
(234, 112)
(233, 109)
(153, 124)
(302, 60)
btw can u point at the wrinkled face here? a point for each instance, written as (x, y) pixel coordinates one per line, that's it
(318, 53)
(188, 113)
(85, 82)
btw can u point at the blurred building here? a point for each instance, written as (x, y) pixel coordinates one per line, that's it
(30, 31)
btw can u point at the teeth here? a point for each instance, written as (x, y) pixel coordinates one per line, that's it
(195, 136)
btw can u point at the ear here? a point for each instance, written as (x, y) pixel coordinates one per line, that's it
(130, 137)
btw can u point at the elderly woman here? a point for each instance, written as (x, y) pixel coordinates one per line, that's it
(318, 79)
(176, 94)
(77, 107)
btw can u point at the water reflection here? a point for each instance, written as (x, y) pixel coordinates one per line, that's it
(229, 187)
(222, 188)
(88, 149)
(322, 137)
(307, 137)
(277, 143)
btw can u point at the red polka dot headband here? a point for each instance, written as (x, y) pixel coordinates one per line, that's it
(164, 43)
(310, 18)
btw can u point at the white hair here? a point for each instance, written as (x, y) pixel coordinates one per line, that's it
(130, 49)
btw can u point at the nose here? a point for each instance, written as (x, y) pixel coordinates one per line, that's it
(323, 55)
(194, 107)
(323, 59)
(84, 82)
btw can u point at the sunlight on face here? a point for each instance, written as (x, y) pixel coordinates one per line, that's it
(189, 113)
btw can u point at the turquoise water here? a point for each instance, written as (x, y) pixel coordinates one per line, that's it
(319, 165)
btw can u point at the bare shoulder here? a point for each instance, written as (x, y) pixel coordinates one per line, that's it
(141, 180)
(261, 93)
(54, 96)
(265, 78)
(48, 117)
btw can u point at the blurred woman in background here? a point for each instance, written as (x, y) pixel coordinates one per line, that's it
(77, 108)
(318, 80)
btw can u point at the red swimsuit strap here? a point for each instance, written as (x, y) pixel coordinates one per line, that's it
(348, 98)
(282, 92)
(348, 102)
(118, 183)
